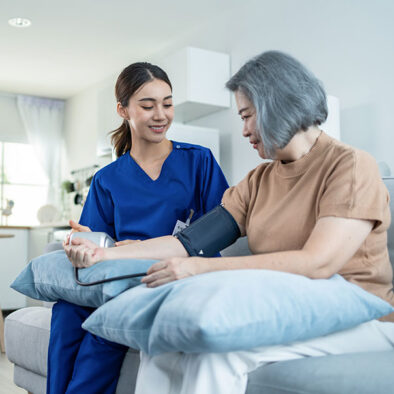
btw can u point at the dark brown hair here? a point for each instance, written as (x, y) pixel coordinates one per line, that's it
(129, 81)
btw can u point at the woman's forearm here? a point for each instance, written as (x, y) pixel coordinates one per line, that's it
(155, 248)
(330, 246)
(298, 262)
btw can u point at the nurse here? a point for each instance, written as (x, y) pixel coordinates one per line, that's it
(153, 183)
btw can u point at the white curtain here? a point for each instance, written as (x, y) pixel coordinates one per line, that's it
(43, 121)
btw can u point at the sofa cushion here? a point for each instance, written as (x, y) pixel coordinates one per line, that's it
(30, 381)
(361, 373)
(27, 338)
(50, 277)
(233, 310)
(239, 248)
(389, 182)
(318, 375)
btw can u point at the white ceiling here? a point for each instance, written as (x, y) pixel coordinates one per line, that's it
(75, 43)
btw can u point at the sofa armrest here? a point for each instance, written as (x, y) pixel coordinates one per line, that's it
(51, 247)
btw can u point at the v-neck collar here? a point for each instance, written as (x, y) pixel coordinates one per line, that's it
(143, 174)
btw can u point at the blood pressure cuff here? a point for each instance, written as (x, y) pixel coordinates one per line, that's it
(210, 234)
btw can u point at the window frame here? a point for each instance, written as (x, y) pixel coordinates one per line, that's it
(4, 182)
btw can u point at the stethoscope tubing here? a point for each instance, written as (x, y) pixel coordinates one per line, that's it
(99, 282)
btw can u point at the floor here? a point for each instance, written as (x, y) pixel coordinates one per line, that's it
(7, 385)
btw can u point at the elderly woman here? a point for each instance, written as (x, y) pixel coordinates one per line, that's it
(317, 209)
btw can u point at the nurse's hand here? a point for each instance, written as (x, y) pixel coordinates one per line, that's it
(75, 228)
(127, 242)
(83, 253)
(172, 269)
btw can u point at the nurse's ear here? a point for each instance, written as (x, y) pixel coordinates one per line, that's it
(122, 111)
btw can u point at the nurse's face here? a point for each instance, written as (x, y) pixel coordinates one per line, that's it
(247, 112)
(150, 111)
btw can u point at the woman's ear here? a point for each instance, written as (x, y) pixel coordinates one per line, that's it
(122, 111)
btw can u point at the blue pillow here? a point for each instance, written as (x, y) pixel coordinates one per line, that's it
(233, 310)
(50, 277)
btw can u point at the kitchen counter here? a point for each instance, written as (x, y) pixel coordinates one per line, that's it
(55, 225)
(14, 249)
(19, 245)
(15, 227)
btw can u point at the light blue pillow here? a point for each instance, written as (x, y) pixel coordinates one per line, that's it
(233, 310)
(50, 277)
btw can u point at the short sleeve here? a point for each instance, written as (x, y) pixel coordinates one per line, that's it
(236, 200)
(98, 211)
(355, 190)
(214, 183)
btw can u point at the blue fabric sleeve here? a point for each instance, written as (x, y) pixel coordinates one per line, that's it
(214, 183)
(98, 211)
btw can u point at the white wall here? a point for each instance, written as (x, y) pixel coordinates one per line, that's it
(82, 125)
(348, 44)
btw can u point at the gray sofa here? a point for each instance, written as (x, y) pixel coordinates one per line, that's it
(27, 337)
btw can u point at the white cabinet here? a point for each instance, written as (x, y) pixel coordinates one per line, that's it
(107, 118)
(196, 135)
(332, 125)
(41, 236)
(38, 239)
(13, 259)
(198, 78)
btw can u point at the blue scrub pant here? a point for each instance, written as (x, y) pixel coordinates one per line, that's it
(78, 361)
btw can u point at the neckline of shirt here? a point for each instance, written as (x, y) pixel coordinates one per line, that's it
(133, 162)
(298, 167)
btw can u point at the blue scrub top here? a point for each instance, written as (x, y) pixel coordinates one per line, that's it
(126, 203)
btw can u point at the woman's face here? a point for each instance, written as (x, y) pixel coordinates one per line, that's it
(247, 112)
(150, 111)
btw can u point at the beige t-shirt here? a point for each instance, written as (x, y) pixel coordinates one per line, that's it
(279, 205)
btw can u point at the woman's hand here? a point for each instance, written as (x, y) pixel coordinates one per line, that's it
(174, 268)
(127, 242)
(83, 253)
(75, 228)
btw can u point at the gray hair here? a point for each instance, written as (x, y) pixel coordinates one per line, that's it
(286, 95)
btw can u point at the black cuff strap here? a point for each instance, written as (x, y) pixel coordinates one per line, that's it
(210, 234)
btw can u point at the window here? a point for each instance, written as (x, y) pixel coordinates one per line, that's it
(23, 181)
